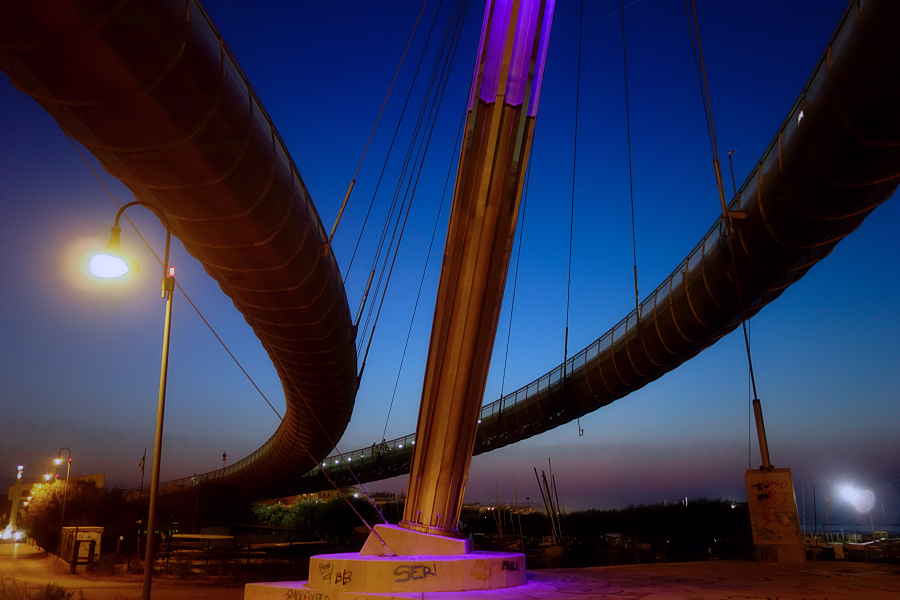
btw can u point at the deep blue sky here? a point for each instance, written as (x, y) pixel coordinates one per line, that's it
(80, 362)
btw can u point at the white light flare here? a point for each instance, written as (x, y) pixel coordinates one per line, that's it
(106, 266)
(862, 500)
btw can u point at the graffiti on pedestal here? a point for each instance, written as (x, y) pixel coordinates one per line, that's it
(773, 507)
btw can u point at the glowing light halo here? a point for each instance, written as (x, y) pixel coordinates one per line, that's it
(865, 501)
(862, 500)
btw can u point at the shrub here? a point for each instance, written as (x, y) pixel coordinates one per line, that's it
(10, 589)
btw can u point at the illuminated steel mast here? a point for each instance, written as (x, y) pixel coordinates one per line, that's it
(499, 128)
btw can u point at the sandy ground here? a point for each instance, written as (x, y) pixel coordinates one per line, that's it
(717, 580)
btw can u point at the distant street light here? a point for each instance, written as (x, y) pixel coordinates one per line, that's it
(862, 500)
(113, 262)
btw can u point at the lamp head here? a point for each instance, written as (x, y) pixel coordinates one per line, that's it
(57, 460)
(112, 261)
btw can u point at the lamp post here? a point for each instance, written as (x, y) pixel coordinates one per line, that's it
(58, 460)
(17, 495)
(113, 262)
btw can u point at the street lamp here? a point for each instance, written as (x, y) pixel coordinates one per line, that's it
(113, 262)
(58, 460)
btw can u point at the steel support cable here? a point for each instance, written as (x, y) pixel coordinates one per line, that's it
(309, 453)
(637, 302)
(403, 174)
(726, 218)
(143, 239)
(451, 35)
(448, 64)
(393, 139)
(512, 304)
(324, 431)
(322, 428)
(707, 109)
(178, 285)
(572, 205)
(374, 127)
(412, 319)
(415, 134)
(333, 444)
(750, 382)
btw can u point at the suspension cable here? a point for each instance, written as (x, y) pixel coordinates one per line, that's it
(424, 144)
(572, 206)
(371, 135)
(398, 188)
(391, 147)
(750, 383)
(697, 46)
(441, 76)
(186, 297)
(637, 303)
(299, 395)
(726, 217)
(572, 203)
(305, 448)
(512, 304)
(412, 320)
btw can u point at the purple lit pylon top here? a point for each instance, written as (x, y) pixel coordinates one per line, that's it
(526, 59)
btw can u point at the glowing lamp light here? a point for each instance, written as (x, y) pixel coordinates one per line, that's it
(862, 500)
(107, 267)
(57, 460)
(113, 262)
(47, 476)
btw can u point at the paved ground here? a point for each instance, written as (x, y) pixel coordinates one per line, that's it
(718, 580)
(31, 566)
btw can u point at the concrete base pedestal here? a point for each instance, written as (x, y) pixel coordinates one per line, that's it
(773, 516)
(395, 540)
(347, 576)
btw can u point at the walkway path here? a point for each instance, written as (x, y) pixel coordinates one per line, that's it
(30, 565)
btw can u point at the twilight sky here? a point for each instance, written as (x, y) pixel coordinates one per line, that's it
(80, 360)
